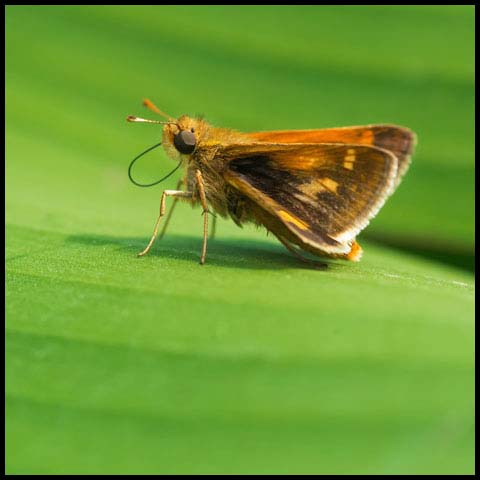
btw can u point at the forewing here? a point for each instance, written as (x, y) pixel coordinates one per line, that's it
(323, 193)
(399, 140)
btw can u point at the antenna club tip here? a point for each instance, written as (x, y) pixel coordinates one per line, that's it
(131, 118)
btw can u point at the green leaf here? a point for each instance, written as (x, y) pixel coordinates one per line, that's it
(252, 363)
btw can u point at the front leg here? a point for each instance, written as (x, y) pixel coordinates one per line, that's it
(165, 194)
(203, 201)
(170, 212)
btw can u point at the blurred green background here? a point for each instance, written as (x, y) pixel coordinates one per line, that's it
(252, 363)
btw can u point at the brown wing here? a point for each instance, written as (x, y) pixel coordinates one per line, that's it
(399, 140)
(325, 194)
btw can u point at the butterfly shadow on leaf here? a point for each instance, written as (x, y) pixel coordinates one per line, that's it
(221, 252)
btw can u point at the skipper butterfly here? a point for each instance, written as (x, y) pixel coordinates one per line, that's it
(315, 190)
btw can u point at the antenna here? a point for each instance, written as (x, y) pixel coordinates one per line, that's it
(133, 119)
(151, 106)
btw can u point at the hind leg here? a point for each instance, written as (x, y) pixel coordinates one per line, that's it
(288, 245)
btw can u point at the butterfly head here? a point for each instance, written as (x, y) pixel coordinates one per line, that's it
(181, 136)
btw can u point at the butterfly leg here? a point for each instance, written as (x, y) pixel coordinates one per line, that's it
(214, 227)
(165, 194)
(203, 201)
(295, 252)
(170, 212)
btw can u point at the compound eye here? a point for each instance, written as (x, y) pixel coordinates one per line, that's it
(185, 141)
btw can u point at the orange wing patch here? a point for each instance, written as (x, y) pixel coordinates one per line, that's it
(329, 184)
(355, 253)
(289, 218)
(349, 159)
